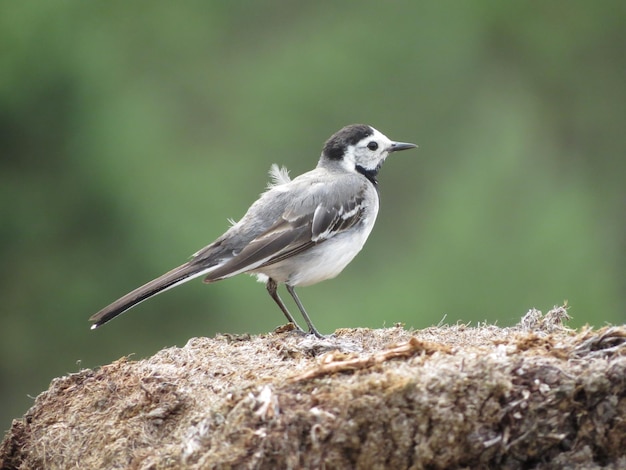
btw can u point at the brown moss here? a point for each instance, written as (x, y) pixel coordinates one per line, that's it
(535, 396)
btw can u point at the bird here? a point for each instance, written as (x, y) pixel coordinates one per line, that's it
(298, 232)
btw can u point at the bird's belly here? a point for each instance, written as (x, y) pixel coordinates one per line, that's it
(323, 261)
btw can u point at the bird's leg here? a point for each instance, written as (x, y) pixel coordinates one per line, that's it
(308, 321)
(271, 287)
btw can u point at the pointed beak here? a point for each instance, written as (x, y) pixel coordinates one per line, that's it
(397, 146)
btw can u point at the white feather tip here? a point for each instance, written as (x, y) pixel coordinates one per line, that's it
(278, 176)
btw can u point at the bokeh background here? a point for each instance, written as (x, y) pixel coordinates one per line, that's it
(130, 132)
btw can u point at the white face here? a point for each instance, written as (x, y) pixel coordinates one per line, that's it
(369, 153)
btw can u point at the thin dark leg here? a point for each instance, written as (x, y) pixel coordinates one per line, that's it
(271, 287)
(308, 321)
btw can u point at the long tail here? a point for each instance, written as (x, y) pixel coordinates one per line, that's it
(173, 278)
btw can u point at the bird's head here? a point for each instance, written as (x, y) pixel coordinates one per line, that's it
(360, 148)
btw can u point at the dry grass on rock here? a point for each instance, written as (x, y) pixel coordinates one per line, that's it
(535, 396)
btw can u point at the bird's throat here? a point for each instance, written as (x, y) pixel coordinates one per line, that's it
(369, 174)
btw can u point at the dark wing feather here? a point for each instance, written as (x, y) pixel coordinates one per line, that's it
(329, 221)
(275, 240)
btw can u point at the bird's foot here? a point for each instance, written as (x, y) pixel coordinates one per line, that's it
(294, 328)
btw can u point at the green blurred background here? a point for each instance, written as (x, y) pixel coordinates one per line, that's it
(130, 132)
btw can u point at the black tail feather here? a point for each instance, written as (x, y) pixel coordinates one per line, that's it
(176, 276)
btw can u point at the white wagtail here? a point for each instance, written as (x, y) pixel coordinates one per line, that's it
(299, 232)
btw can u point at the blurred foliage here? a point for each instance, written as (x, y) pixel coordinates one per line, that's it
(129, 132)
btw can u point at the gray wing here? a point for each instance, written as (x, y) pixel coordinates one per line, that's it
(303, 224)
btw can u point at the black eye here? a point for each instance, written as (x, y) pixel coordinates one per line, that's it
(372, 145)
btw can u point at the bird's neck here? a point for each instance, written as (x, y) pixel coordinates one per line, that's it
(369, 174)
